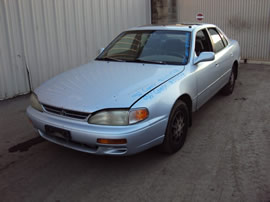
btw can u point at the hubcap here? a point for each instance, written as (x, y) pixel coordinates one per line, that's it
(178, 127)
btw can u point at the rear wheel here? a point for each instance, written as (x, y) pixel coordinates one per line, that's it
(228, 89)
(176, 129)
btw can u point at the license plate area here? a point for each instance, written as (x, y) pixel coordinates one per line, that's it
(58, 133)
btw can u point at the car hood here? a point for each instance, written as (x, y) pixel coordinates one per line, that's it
(102, 85)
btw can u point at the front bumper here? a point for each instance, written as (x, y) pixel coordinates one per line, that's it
(84, 136)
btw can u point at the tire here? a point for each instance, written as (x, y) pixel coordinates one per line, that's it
(229, 87)
(177, 128)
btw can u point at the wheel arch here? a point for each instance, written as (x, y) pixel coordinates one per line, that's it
(235, 68)
(187, 99)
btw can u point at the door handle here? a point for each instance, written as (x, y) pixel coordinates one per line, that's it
(217, 65)
(231, 54)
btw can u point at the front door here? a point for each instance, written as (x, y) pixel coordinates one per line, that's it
(206, 72)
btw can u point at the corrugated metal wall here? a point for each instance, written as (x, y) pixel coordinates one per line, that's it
(247, 21)
(13, 75)
(46, 37)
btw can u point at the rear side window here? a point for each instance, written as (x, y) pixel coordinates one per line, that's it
(223, 38)
(217, 40)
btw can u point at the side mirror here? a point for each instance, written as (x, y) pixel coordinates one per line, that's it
(204, 56)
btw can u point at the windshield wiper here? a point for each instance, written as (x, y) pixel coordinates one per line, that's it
(110, 59)
(148, 61)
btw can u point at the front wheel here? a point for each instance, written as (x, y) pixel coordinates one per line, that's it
(228, 89)
(177, 128)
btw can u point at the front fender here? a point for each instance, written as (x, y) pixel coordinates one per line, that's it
(161, 100)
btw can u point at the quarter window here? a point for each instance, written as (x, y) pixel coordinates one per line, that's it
(217, 41)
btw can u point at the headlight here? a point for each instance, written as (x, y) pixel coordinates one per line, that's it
(35, 103)
(118, 117)
(112, 117)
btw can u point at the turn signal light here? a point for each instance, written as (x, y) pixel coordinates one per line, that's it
(141, 114)
(112, 141)
(137, 115)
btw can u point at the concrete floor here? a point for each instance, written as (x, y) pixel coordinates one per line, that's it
(226, 156)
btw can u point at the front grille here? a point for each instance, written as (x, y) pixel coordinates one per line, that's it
(66, 112)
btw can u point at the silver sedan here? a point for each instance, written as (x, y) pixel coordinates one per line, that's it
(140, 92)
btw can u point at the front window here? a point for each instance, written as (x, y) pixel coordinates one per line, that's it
(202, 43)
(154, 46)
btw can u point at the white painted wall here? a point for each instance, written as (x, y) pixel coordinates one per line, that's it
(47, 37)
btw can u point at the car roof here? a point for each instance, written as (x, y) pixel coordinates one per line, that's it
(179, 26)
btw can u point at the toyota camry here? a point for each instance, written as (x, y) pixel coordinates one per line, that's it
(139, 92)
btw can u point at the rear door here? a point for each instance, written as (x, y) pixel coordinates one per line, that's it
(223, 56)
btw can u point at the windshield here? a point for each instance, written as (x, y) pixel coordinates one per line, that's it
(149, 46)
